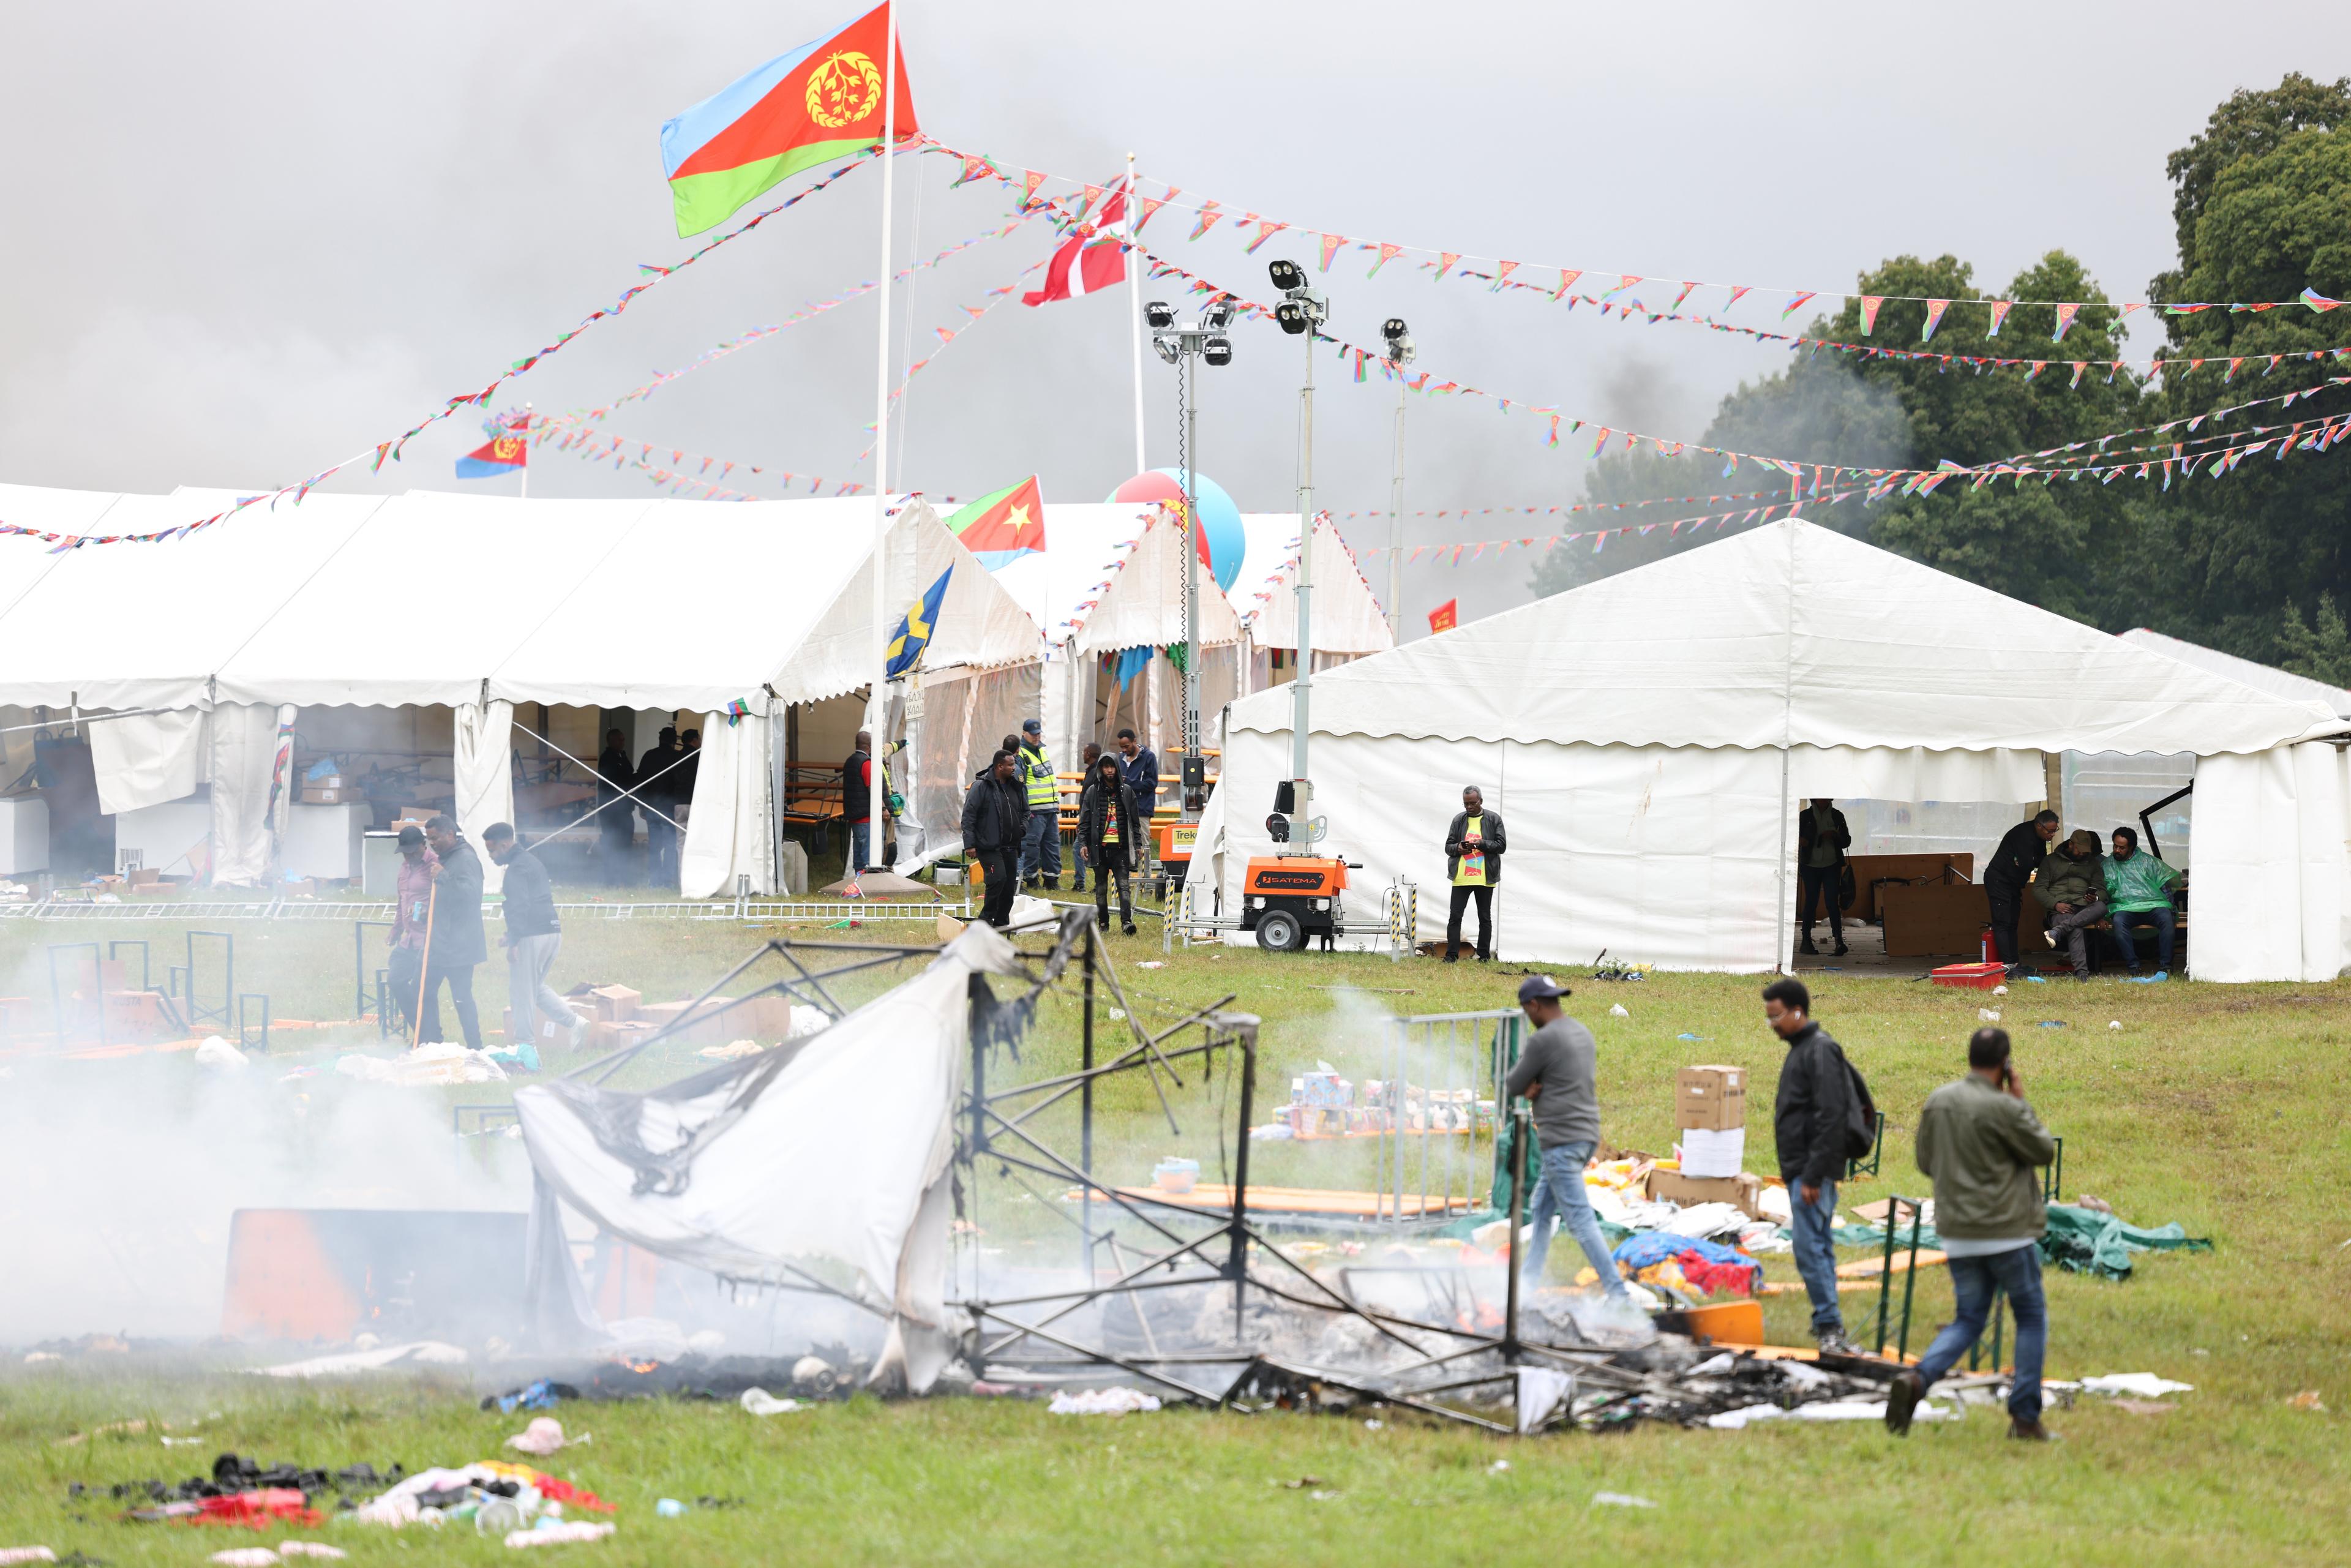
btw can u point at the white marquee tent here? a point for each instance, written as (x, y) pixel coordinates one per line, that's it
(2246, 671)
(1648, 738)
(1111, 578)
(476, 603)
(1348, 620)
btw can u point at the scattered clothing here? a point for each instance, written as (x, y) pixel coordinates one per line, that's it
(1102, 1402)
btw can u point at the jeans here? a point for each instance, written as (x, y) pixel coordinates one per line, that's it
(1040, 846)
(2068, 930)
(529, 958)
(1826, 884)
(2164, 924)
(861, 840)
(1809, 1224)
(1113, 864)
(1560, 1195)
(406, 970)
(461, 997)
(2002, 899)
(1462, 897)
(1973, 1280)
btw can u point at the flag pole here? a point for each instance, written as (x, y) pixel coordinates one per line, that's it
(877, 701)
(1134, 309)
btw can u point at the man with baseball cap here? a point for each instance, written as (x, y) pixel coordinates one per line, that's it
(1041, 847)
(1558, 1071)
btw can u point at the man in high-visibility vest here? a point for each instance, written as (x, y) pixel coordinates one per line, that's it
(1041, 848)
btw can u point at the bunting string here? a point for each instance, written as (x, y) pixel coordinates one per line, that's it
(1208, 213)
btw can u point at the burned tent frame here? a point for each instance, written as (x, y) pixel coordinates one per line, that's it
(998, 1124)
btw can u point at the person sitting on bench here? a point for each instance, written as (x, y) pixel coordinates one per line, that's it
(2072, 886)
(2138, 892)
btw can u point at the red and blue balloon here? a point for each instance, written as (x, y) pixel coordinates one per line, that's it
(1220, 520)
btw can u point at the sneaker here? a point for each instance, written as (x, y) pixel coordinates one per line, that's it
(2052, 938)
(2025, 1431)
(1127, 929)
(2011, 971)
(1902, 1398)
(1834, 1342)
(1453, 958)
(1841, 950)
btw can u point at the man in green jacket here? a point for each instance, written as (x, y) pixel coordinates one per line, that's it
(2072, 886)
(1981, 1144)
(2138, 892)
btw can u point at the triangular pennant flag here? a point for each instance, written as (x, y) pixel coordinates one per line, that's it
(1934, 308)
(2066, 314)
(1869, 308)
(1679, 300)
(1738, 292)
(1503, 271)
(2317, 301)
(1567, 276)
(1388, 253)
(2000, 309)
(1601, 440)
(1153, 204)
(2079, 366)
(1624, 280)
(1208, 219)
(1030, 179)
(1445, 260)
(1798, 303)
(1331, 243)
(1266, 229)
(973, 168)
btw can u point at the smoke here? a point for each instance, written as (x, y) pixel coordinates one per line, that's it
(119, 1179)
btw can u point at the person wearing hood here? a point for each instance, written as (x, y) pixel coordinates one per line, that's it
(2072, 886)
(1108, 823)
(995, 819)
(2138, 892)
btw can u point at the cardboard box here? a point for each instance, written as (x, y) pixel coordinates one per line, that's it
(1742, 1189)
(604, 1037)
(1710, 1097)
(604, 1003)
(314, 795)
(1712, 1153)
(141, 876)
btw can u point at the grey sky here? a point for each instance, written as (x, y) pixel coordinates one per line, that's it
(249, 239)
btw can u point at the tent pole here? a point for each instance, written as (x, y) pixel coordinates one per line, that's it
(874, 710)
(1786, 924)
(1134, 313)
(1086, 1120)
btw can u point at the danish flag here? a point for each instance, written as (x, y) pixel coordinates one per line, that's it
(1090, 260)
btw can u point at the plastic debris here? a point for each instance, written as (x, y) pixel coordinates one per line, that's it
(2000, 990)
(2145, 1385)
(1616, 1010)
(1835, 1410)
(1988, 1015)
(2115, 1024)
(669, 1508)
(309, 1549)
(245, 1557)
(11, 1555)
(543, 1394)
(552, 1532)
(1619, 1500)
(1689, 1037)
(2053, 1023)
(2307, 1399)
(759, 1402)
(1497, 1467)
(420, 1353)
(1103, 1402)
(545, 1435)
(218, 1053)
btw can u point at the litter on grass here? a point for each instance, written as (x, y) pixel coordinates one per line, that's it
(545, 1435)
(11, 1555)
(553, 1534)
(759, 1402)
(1835, 1410)
(2144, 1384)
(1620, 1500)
(1102, 1402)
(420, 1353)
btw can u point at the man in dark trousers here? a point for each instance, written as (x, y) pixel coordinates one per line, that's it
(1141, 766)
(864, 790)
(1474, 843)
(1108, 826)
(458, 941)
(1984, 1146)
(2011, 866)
(2071, 886)
(1089, 759)
(657, 781)
(1040, 850)
(1821, 839)
(616, 823)
(1808, 1122)
(417, 864)
(994, 818)
(533, 938)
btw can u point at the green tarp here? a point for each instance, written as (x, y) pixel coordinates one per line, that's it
(2087, 1241)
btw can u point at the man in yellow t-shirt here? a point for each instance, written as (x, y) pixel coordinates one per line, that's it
(1473, 864)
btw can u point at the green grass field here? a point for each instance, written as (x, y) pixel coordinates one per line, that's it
(2218, 1107)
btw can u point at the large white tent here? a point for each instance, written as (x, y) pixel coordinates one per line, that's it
(1347, 620)
(477, 603)
(2246, 671)
(1110, 578)
(1647, 737)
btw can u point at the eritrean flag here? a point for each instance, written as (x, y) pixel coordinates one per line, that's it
(820, 101)
(499, 454)
(1002, 528)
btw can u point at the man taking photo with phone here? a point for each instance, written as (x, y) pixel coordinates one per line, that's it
(1981, 1144)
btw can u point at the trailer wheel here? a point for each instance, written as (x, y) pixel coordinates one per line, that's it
(1278, 931)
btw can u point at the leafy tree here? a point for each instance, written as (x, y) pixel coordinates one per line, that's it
(2320, 647)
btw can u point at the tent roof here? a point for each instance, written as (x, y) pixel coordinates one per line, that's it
(2261, 677)
(429, 597)
(1347, 615)
(1109, 577)
(1791, 634)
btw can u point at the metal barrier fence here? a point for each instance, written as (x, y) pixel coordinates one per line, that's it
(1440, 1068)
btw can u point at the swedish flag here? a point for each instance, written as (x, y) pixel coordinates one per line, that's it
(913, 633)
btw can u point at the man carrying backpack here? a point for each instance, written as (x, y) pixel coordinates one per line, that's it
(1821, 1108)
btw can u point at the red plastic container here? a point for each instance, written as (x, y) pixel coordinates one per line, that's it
(1970, 977)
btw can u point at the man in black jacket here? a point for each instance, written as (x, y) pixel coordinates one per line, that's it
(2011, 866)
(995, 819)
(1474, 844)
(457, 942)
(1808, 1123)
(1821, 839)
(1109, 825)
(533, 938)
(658, 796)
(616, 818)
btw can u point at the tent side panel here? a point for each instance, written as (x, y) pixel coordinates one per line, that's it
(2248, 908)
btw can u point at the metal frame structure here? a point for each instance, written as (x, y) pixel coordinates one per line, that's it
(745, 909)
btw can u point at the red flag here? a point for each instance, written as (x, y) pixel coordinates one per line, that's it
(1090, 260)
(1446, 616)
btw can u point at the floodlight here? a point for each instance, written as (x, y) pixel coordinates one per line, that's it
(1290, 314)
(1394, 331)
(1217, 352)
(1166, 348)
(1288, 275)
(1218, 315)
(1158, 315)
